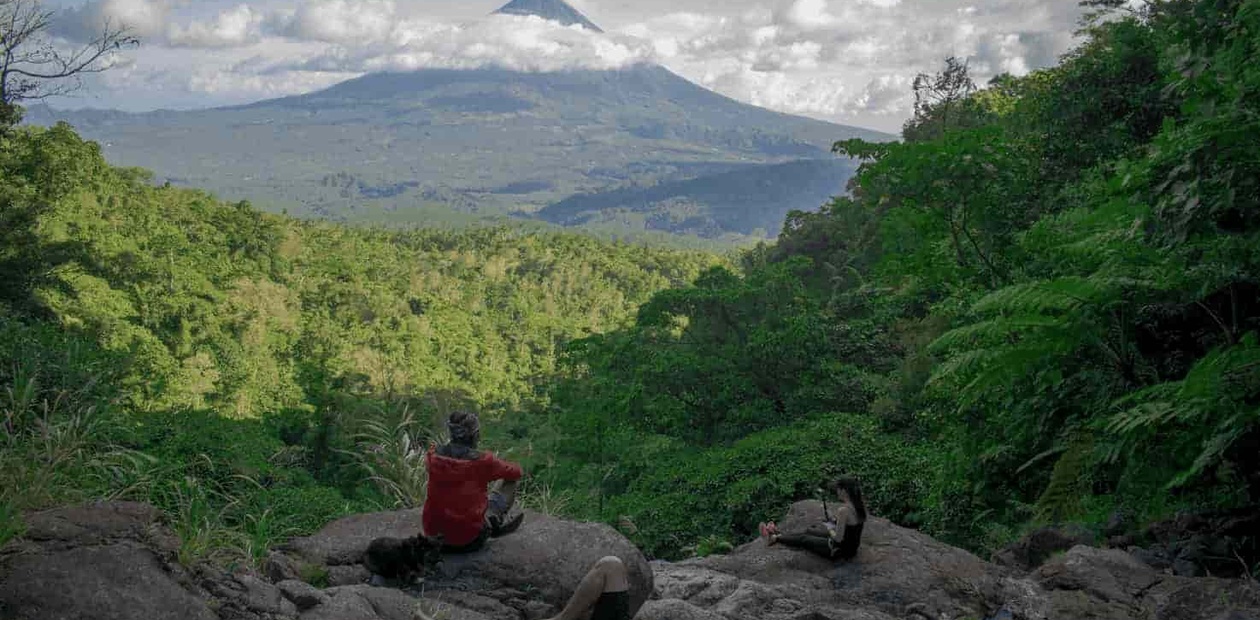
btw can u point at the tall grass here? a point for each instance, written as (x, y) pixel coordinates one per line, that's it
(542, 497)
(62, 441)
(391, 449)
(55, 446)
(229, 489)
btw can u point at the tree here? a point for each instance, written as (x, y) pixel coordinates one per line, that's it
(33, 66)
(939, 101)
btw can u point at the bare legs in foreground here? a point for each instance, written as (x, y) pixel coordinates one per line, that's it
(608, 575)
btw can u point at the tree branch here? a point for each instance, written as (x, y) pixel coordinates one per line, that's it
(31, 65)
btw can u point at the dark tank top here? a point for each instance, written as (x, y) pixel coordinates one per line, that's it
(852, 540)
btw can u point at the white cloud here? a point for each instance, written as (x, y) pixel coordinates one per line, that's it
(340, 21)
(856, 59)
(518, 43)
(809, 14)
(145, 17)
(845, 60)
(239, 26)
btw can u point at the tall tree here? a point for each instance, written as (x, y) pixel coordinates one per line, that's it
(940, 100)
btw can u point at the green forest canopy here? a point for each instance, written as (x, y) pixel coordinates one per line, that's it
(207, 343)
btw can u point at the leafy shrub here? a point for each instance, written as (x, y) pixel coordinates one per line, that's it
(726, 491)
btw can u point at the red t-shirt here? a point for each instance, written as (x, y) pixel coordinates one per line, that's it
(455, 505)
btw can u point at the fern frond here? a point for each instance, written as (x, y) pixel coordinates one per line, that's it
(964, 364)
(1059, 295)
(1224, 370)
(1146, 416)
(996, 330)
(1069, 482)
(1044, 296)
(1210, 409)
(993, 370)
(1214, 448)
(1040, 457)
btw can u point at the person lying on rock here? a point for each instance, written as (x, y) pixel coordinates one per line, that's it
(457, 506)
(838, 536)
(604, 593)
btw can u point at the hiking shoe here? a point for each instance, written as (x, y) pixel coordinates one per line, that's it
(503, 529)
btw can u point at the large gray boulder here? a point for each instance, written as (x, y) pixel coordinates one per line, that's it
(901, 573)
(344, 540)
(1033, 549)
(119, 582)
(898, 571)
(1111, 584)
(547, 557)
(537, 567)
(104, 560)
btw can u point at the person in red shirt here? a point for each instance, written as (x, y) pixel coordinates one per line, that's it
(456, 505)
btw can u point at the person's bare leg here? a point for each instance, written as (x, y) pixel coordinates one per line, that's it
(608, 575)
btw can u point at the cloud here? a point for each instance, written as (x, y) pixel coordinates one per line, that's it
(340, 21)
(235, 27)
(845, 60)
(856, 59)
(144, 18)
(809, 14)
(506, 41)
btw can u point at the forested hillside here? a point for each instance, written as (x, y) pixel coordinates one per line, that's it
(1041, 307)
(160, 343)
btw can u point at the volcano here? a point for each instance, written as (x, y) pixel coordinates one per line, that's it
(624, 150)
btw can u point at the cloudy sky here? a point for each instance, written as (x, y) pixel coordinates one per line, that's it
(849, 61)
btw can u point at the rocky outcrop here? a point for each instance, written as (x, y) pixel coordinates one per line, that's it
(108, 560)
(533, 571)
(116, 560)
(1225, 544)
(900, 573)
(1040, 545)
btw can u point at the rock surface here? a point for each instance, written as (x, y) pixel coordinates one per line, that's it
(1222, 544)
(546, 558)
(117, 561)
(900, 573)
(109, 560)
(1040, 545)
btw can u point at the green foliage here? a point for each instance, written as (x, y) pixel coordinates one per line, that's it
(58, 428)
(391, 449)
(718, 361)
(709, 545)
(314, 574)
(225, 308)
(1052, 279)
(1196, 420)
(254, 376)
(724, 492)
(1069, 483)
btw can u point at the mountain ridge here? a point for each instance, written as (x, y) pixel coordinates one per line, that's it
(434, 146)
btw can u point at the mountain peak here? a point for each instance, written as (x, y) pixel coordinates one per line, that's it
(554, 10)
